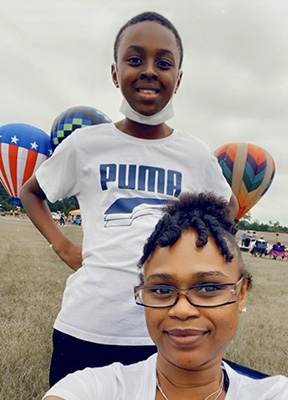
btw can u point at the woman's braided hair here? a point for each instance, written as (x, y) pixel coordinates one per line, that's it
(205, 213)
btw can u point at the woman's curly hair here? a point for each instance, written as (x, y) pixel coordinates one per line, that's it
(205, 213)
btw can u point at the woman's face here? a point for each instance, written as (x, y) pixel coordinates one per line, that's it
(188, 336)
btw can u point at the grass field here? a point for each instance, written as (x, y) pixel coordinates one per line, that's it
(31, 287)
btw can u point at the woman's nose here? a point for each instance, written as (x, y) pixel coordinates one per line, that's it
(183, 309)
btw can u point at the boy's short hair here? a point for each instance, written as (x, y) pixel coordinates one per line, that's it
(154, 17)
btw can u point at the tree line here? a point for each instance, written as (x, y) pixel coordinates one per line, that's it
(71, 203)
(246, 223)
(65, 205)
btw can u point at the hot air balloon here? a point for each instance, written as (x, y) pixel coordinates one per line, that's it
(23, 148)
(74, 118)
(249, 170)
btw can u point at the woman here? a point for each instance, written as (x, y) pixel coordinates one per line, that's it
(193, 287)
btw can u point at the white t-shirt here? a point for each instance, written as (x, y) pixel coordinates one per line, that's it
(121, 183)
(138, 382)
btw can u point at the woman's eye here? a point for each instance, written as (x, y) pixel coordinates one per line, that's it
(164, 64)
(134, 61)
(164, 290)
(210, 289)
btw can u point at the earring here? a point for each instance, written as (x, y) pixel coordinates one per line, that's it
(244, 309)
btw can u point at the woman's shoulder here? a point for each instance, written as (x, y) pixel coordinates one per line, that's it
(113, 382)
(243, 387)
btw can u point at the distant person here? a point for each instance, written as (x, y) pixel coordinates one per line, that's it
(121, 174)
(62, 219)
(193, 287)
(259, 247)
(278, 250)
(243, 238)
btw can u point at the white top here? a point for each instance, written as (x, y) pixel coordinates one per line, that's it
(121, 182)
(138, 382)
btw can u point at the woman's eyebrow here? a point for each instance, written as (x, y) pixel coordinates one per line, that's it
(208, 273)
(160, 276)
(197, 275)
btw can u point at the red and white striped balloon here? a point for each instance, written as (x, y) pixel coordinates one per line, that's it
(23, 148)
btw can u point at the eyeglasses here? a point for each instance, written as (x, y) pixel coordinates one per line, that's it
(206, 295)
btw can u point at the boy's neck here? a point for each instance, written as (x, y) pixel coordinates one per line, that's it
(142, 131)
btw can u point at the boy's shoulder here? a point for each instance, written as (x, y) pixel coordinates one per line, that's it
(94, 129)
(189, 137)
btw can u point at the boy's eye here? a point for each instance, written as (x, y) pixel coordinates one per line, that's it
(164, 64)
(134, 61)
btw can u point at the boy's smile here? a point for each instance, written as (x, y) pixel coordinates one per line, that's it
(147, 70)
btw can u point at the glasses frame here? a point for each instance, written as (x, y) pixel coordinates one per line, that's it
(238, 286)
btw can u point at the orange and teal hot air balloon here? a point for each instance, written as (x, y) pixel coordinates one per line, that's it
(249, 170)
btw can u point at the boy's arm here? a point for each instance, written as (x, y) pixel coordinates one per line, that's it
(34, 202)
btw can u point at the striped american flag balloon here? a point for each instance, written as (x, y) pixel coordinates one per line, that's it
(23, 148)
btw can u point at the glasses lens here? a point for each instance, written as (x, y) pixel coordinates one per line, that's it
(209, 295)
(158, 296)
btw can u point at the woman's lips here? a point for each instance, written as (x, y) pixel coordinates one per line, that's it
(186, 337)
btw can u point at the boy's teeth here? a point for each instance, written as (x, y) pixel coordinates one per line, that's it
(148, 91)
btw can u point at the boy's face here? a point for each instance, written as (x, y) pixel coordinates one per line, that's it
(147, 69)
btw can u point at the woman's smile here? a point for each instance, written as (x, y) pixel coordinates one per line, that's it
(186, 337)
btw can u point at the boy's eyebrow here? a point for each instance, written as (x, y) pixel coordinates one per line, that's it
(136, 48)
(140, 49)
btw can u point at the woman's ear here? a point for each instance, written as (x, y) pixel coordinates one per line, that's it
(242, 296)
(114, 75)
(180, 74)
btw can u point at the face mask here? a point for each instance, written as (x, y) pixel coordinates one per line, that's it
(166, 113)
(162, 116)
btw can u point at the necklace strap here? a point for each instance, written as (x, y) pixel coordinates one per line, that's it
(218, 391)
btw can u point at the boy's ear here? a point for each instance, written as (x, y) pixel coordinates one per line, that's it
(180, 74)
(114, 75)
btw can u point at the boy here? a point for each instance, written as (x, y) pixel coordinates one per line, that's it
(122, 174)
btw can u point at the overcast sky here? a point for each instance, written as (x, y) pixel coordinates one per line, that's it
(55, 54)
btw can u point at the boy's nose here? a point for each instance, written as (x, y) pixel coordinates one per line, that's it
(149, 71)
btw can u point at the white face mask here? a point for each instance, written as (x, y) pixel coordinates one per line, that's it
(166, 113)
(162, 116)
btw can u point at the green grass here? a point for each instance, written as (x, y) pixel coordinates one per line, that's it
(31, 287)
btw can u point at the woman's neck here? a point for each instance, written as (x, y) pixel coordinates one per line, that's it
(184, 384)
(142, 131)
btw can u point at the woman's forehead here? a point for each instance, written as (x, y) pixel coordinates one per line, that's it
(184, 258)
